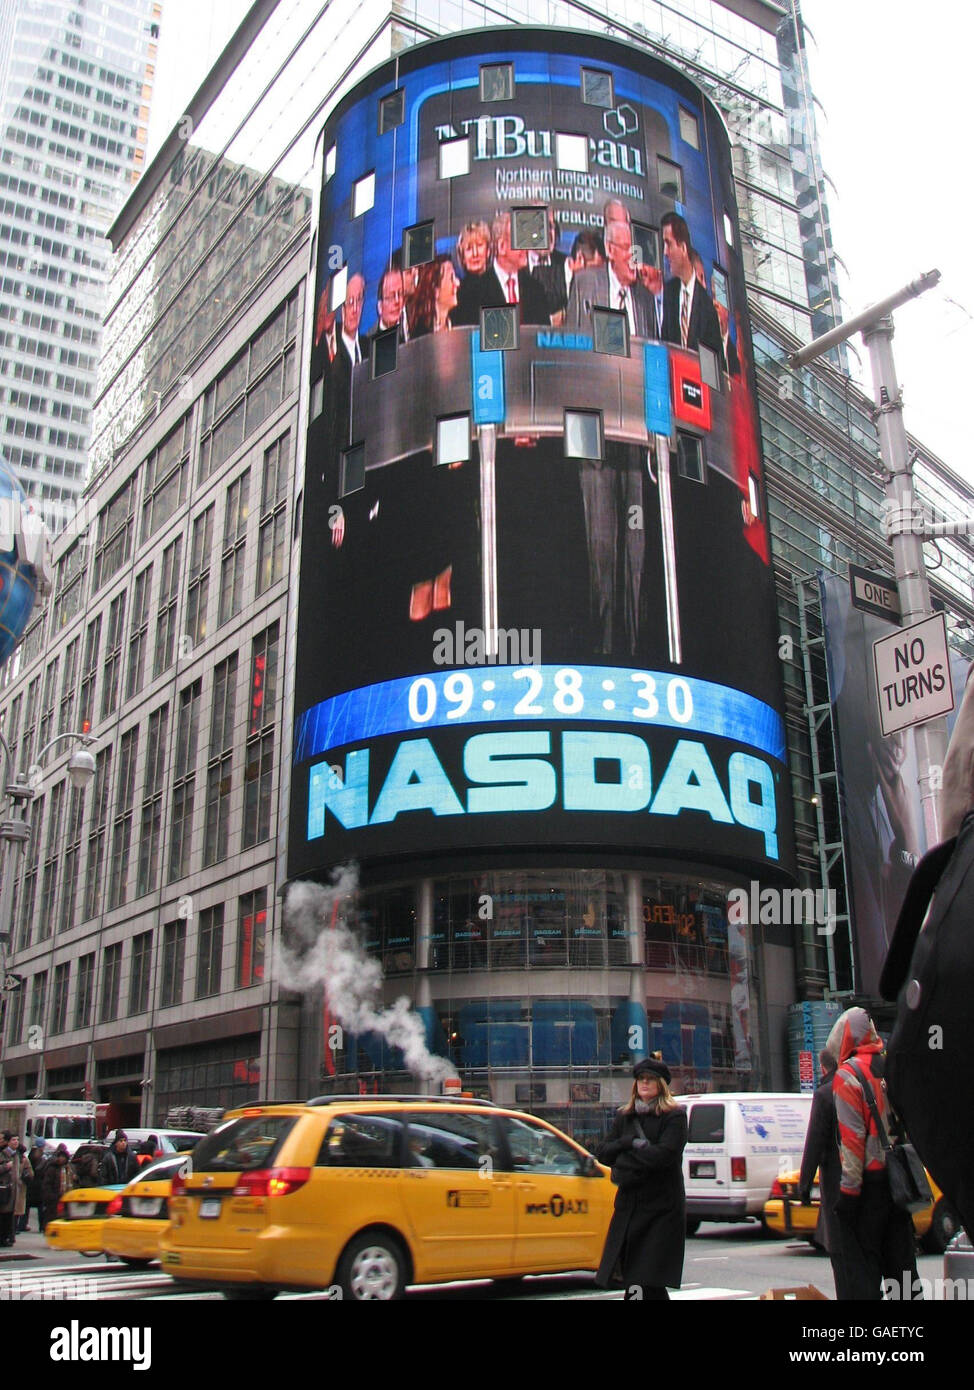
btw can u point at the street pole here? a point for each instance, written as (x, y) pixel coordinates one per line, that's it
(908, 560)
(876, 326)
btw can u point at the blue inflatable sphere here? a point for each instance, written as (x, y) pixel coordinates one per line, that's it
(18, 582)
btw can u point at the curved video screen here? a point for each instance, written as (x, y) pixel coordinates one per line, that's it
(536, 605)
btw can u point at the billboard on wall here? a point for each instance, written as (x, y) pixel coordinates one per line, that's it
(535, 602)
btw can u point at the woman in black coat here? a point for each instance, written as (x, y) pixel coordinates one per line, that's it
(644, 1245)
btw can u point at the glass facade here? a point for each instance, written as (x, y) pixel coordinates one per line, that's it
(75, 92)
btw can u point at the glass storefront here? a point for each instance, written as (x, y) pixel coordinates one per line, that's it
(561, 1044)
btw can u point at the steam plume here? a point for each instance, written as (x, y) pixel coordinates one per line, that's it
(323, 950)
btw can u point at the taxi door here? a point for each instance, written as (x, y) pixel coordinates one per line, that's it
(562, 1215)
(460, 1207)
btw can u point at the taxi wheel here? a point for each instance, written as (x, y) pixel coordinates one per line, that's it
(249, 1295)
(373, 1267)
(944, 1225)
(92, 1254)
(134, 1263)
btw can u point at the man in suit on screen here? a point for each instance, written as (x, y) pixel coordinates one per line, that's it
(689, 316)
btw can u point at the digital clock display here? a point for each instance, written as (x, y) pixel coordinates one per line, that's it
(507, 694)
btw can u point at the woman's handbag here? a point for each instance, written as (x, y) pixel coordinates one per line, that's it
(930, 966)
(908, 1185)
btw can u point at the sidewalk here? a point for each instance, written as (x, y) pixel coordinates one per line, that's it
(30, 1245)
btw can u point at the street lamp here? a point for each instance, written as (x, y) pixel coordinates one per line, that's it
(20, 790)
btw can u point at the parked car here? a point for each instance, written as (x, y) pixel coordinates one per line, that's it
(138, 1215)
(784, 1214)
(367, 1195)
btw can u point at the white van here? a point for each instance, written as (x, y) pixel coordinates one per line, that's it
(738, 1143)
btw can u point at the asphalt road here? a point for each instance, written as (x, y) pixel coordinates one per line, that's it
(723, 1263)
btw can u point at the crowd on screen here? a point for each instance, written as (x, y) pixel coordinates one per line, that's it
(551, 288)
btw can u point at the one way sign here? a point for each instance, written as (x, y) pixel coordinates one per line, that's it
(913, 674)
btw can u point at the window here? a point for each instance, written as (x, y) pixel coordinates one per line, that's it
(571, 152)
(500, 328)
(199, 577)
(140, 628)
(173, 962)
(209, 959)
(184, 788)
(47, 704)
(597, 88)
(529, 229)
(111, 977)
(52, 861)
(15, 1034)
(259, 768)
(59, 1002)
(30, 720)
(72, 857)
(363, 194)
(94, 885)
(610, 331)
(418, 245)
(450, 1141)
(362, 1141)
(155, 772)
(139, 976)
(38, 999)
(113, 655)
(124, 809)
(251, 938)
(166, 478)
(689, 128)
(689, 457)
(353, 470)
(728, 229)
(273, 513)
(706, 1124)
(453, 439)
(454, 158)
(392, 111)
(583, 434)
(384, 352)
(115, 535)
(69, 586)
(219, 771)
(31, 853)
(68, 687)
(670, 177)
(168, 600)
(497, 82)
(235, 519)
(536, 1150)
(330, 162)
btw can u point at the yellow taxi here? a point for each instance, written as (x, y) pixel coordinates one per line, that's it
(139, 1214)
(362, 1196)
(784, 1214)
(80, 1221)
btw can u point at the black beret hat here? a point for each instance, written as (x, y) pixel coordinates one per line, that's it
(652, 1066)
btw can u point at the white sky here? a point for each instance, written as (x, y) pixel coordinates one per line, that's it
(893, 79)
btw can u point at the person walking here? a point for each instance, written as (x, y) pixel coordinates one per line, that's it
(874, 1239)
(22, 1174)
(645, 1241)
(822, 1153)
(8, 1161)
(38, 1159)
(58, 1178)
(120, 1163)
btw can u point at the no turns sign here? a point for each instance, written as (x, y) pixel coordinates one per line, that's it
(913, 674)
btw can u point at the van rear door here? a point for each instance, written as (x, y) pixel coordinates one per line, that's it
(707, 1156)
